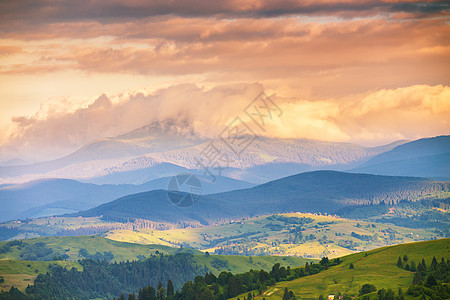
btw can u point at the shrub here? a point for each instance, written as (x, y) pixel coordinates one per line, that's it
(367, 289)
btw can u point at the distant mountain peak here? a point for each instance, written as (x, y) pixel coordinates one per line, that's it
(164, 128)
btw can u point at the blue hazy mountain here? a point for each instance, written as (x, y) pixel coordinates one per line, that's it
(428, 157)
(319, 191)
(58, 196)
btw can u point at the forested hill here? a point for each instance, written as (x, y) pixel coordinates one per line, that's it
(106, 280)
(320, 191)
(391, 268)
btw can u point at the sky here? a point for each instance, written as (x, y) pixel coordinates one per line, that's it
(368, 72)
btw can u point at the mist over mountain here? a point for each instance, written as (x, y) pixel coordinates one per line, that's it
(156, 137)
(264, 159)
(175, 145)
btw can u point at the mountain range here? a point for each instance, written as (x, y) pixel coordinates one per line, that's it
(429, 157)
(49, 197)
(175, 145)
(147, 158)
(318, 191)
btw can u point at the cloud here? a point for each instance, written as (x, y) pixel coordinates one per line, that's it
(44, 11)
(258, 48)
(374, 118)
(9, 50)
(322, 52)
(403, 113)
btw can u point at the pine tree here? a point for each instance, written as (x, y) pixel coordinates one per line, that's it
(160, 292)
(286, 294)
(434, 264)
(424, 265)
(132, 297)
(417, 278)
(170, 288)
(413, 266)
(390, 295)
(206, 295)
(431, 281)
(399, 262)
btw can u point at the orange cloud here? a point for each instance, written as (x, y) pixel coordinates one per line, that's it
(281, 48)
(322, 52)
(374, 118)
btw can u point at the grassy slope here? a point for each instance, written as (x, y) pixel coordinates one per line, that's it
(378, 268)
(241, 264)
(20, 273)
(122, 251)
(200, 238)
(16, 272)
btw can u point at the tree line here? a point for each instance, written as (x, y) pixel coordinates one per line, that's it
(226, 285)
(143, 280)
(101, 279)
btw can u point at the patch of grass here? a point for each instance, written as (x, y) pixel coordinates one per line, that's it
(20, 273)
(241, 264)
(71, 246)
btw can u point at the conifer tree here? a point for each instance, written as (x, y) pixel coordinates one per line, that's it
(170, 288)
(399, 262)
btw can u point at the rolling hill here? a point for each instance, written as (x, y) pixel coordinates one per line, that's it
(71, 246)
(61, 195)
(58, 196)
(319, 191)
(303, 235)
(21, 273)
(377, 267)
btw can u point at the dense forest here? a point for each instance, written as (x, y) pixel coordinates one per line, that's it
(227, 285)
(104, 279)
(177, 277)
(138, 279)
(432, 280)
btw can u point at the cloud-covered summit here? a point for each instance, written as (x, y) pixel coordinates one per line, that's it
(373, 118)
(363, 71)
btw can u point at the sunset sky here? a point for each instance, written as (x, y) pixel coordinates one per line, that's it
(369, 72)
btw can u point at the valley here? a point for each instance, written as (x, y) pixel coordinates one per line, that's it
(112, 225)
(296, 234)
(224, 150)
